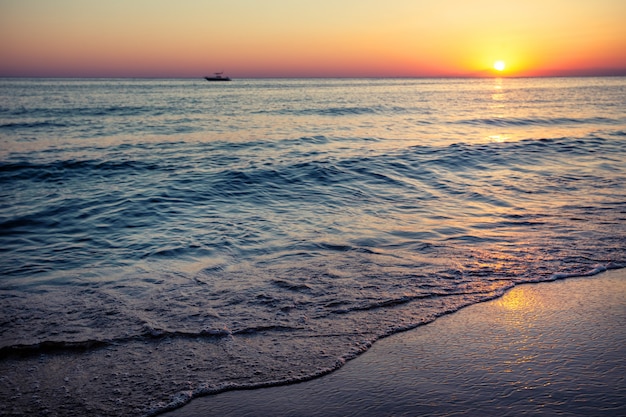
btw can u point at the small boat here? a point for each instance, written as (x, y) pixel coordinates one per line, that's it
(217, 77)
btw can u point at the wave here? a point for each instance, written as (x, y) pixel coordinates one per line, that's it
(541, 121)
(33, 125)
(141, 188)
(337, 111)
(86, 111)
(58, 170)
(152, 334)
(137, 158)
(53, 347)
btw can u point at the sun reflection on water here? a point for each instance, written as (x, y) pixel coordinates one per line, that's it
(499, 138)
(517, 300)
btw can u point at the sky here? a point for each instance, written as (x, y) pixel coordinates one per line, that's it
(306, 38)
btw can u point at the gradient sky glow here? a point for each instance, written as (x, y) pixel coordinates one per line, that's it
(300, 38)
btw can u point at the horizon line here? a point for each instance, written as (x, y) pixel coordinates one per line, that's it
(150, 77)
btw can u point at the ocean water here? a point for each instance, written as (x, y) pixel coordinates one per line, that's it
(165, 239)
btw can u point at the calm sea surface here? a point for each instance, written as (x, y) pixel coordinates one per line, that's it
(161, 239)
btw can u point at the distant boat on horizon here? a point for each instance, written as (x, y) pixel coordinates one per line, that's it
(217, 77)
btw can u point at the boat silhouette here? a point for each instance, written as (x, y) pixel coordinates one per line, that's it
(217, 77)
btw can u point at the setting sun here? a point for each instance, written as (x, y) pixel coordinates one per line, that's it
(499, 65)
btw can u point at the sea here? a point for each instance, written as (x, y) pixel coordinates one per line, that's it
(164, 239)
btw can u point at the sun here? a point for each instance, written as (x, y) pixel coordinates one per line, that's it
(499, 65)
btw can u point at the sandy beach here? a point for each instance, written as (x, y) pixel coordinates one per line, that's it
(541, 349)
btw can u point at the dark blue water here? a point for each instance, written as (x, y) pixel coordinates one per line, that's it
(264, 231)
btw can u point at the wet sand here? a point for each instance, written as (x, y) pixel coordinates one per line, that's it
(541, 349)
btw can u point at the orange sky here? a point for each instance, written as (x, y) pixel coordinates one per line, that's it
(287, 38)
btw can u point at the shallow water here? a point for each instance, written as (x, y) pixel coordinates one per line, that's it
(263, 231)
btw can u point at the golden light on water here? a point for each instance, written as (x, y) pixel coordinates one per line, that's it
(516, 299)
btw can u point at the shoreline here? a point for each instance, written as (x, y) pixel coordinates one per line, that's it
(541, 348)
